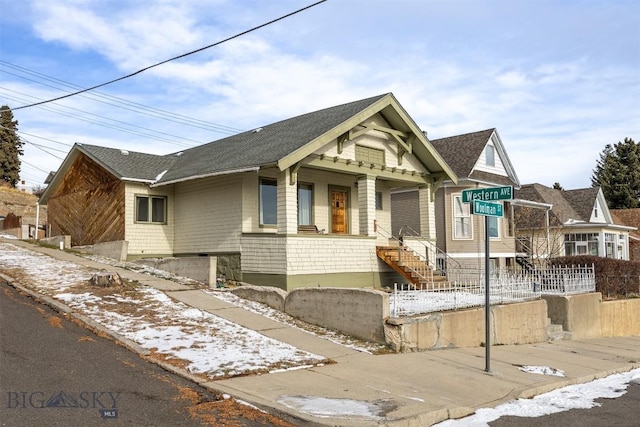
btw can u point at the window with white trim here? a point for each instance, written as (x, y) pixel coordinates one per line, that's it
(490, 156)
(151, 209)
(268, 202)
(305, 204)
(461, 219)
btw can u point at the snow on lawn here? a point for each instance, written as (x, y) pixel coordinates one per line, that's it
(199, 341)
(579, 396)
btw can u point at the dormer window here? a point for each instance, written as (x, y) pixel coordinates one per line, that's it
(490, 155)
(595, 210)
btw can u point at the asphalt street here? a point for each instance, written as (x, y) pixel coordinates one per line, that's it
(623, 411)
(57, 373)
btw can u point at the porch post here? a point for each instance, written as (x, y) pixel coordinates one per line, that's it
(287, 204)
(427, 213)
(367, 204)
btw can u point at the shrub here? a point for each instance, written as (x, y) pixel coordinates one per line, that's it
(614, 277)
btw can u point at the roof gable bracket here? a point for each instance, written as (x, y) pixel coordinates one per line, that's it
(293, 173)
(438, 180)
(341, 140)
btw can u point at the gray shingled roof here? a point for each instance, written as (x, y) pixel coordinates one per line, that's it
(129, 164)
(265, 147)
(461, 152)
(570, 204)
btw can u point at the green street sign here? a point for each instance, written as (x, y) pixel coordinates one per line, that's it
(488, 194)
(479, 207)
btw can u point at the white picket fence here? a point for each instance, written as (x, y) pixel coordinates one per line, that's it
(466, 288)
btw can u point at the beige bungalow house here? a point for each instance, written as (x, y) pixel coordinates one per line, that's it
(295, 203)
(577, 222)
(480, 160)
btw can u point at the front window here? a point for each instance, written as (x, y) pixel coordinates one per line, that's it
(268, 202)
(581, 244)
(305, 204)
(151, 209)
(378, 201)
(462, 219)
(494, 230)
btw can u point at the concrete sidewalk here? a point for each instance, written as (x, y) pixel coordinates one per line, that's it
(414, 389)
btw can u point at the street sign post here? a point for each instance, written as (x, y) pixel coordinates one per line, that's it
(488, 194)
(483, 202)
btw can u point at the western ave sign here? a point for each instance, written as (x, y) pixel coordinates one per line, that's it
(488, 194)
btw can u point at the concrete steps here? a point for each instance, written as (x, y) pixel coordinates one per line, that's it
(556, 332)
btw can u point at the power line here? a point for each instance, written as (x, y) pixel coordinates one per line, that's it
(158, 134)
(122, 103)
(174, 58)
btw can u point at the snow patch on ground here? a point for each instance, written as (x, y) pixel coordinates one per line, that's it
(324, 407)
(541, 370)
(200, 341)
(579, 396)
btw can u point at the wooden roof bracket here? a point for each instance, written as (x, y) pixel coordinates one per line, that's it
(293, 173)
(438, 180)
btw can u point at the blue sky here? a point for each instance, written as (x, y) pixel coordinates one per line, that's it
(558, 79)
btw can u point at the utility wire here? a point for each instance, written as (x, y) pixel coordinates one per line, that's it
(126, 104)
(172, 59)
(149, 133)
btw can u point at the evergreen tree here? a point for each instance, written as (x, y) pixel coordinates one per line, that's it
(10, 147)
(617, 172)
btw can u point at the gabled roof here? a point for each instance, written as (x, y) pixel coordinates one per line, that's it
(286, 142)
(281, 144)
(628, 217)
(129, 165)
(462, 152)
(568, 205)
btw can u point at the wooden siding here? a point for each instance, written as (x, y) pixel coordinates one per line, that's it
(209, 215)
(149, 239)
(405, 211)
(88, 205)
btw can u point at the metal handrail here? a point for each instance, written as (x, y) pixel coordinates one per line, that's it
(406, 257)
(431, 246)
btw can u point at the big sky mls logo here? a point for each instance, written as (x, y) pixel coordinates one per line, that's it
(105, 401)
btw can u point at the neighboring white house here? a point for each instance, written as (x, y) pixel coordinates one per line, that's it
(577, 223)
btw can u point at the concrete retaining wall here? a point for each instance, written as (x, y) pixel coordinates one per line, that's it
(578, 314)
(273, 297)
(55, 241)
(510, 324)
(357, 312)
(200, 268)
(620, 318)
(117, 250)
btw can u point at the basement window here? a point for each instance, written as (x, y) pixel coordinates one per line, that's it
(151, 209)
